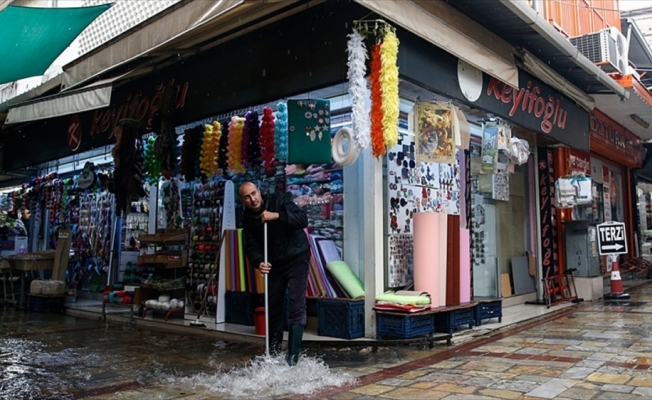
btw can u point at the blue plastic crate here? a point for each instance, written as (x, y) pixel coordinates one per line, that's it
(447, 321)
(403, 326)
(487, 310)
(340, 318)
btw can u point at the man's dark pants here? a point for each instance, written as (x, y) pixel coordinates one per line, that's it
(292, 275)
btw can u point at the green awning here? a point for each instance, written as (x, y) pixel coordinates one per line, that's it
(32, 38)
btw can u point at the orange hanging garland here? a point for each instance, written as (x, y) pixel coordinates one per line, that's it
(377, 140)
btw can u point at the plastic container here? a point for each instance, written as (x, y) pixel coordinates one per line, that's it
(259, 320)
(340, 318)
(403, 326)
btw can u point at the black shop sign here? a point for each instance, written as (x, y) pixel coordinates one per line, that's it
(533, 105)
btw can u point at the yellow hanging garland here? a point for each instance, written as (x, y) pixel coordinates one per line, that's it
(217, 135)
(235, 145)
(208, 155)
(389, 87)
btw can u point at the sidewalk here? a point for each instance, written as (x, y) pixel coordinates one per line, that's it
(512, 314)
(591, 350)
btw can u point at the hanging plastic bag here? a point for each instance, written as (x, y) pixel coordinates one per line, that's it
(519, 150)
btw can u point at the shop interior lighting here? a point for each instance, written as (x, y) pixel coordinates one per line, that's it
(639, 120)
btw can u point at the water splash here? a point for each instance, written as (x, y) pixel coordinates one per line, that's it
(265, 377)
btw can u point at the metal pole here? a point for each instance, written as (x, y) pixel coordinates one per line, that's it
(266, 295)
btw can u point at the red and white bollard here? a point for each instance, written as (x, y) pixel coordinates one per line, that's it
(617, 292)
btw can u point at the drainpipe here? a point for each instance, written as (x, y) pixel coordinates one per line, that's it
(537, 6)
(528, 15)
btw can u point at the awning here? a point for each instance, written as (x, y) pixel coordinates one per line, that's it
(32, 38)
(519, 24)
(181, 31)
(639, 53)
(449, 29)
(91, 97)
(635, 113)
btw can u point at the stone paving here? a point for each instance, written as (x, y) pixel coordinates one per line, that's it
(587, 351)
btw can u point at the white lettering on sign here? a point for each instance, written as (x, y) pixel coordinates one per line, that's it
(612, 233)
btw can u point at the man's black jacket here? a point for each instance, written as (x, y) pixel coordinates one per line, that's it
(287, 240)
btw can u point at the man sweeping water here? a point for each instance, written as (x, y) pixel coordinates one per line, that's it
(287, 260)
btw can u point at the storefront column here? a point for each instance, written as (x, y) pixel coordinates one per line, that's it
(364, 221)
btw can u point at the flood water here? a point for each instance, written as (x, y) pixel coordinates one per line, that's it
(46, 356)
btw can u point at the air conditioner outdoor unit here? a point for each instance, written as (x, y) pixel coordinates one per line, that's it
(607, 48)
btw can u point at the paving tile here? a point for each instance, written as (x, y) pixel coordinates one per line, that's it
(414, 393)
(394, 382)
(532, 350)
(343, 396)
(372, 390)
(619, 396)
(518, 386)
(608, 378)
(447, 364)
(440, 377)
(479, 381)
(646, 392)
(501, 394)
(595, 364)
(552, 388)
(533, 378)
(424, 385)
(453, 388)
(579, 393)
(617, 388)
(577, 373)
(412, 374)
(645, 382)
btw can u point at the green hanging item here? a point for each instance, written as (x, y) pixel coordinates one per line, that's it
(309, 136)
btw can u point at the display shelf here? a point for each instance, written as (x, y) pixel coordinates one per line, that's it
(168, 313)
(177, 259)
(165, 238)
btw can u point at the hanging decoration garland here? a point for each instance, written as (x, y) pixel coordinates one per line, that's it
(281, 132)
(236, 127)
(253, 139)
(267, 131)
(190, 153)
(377, 140)
(222, 154)
(208, 157)
(245, 142)
(389, 87)
(358, 89)
(217, 136)
(152, 165)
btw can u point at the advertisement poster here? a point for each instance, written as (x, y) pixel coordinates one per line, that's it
(489, 148)
(434, 130)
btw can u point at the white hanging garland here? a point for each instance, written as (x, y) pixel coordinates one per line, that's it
(358, 90)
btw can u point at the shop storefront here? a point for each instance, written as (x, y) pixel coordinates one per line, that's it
(490, 188)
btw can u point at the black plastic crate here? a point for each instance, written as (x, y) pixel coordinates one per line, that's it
(403, 326)
(340, 318)
(46, 304)
(239, 307)
(447, 321)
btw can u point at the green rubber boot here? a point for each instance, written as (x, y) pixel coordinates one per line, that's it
(294, 344)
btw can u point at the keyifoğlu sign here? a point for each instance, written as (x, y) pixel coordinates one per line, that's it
(612, 238)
